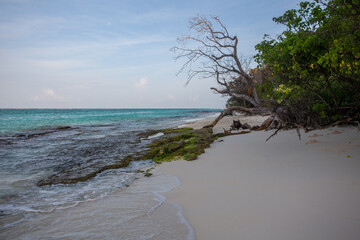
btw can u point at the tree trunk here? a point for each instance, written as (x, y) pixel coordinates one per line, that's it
(230, 110)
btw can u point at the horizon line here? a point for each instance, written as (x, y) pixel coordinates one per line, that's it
(30, 108)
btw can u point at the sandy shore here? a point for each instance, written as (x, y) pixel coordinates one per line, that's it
(246, 188)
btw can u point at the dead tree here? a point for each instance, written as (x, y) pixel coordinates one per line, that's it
(211, 52)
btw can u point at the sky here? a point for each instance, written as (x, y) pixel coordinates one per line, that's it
(115, 53)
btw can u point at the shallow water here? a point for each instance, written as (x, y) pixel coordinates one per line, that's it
(33, 149)
(137, 212)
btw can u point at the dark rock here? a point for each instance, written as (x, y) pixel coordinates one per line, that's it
(63, 127)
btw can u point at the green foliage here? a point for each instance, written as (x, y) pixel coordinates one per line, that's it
(318, 53)
(234, 102)
(320, 109)
(281, 92)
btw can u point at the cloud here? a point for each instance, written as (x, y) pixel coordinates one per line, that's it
(194, 98)
(141, 83)
(159, 15)
(23, 28)
(58, 64)
(48, 94)
(170, 97)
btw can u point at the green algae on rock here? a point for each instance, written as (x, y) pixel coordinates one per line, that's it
(185, 143)
(68, 177)
(175, 143)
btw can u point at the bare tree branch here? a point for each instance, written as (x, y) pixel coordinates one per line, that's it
(210, 51)
(214, 51)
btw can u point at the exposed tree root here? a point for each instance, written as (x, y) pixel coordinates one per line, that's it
(227, 112)
(273, 134)
(230, 110)
(266, 124)
(230, 133)
(282, 119)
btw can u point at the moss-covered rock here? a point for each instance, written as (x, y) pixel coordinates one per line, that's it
(178, 143)
(69, 177)
(190, 156)
(167, 131)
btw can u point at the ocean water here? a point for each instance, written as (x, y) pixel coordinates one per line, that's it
(37, 144)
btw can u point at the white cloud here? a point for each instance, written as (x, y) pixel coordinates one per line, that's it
(194, 98)
(59, 65)
(170, 97)
(22, 28)
(48, 94)
(142, 83)
(154, 16)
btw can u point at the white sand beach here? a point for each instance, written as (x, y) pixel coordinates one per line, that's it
(246, 188)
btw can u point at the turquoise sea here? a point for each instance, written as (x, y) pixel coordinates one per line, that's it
(36, 144)
(16, 120)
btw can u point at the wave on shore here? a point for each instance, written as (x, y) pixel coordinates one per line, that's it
(89, 154)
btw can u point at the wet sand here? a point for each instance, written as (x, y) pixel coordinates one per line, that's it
(246, 188)
(139, 211)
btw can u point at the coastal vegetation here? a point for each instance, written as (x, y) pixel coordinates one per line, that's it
(307, 77)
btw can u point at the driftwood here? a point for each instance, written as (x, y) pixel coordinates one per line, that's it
(228, 133)
(273, 134)
(230, 110)
(281, 119)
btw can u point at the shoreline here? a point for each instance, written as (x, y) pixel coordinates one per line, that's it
(105, 206)
(139, 211)
(176, 202)
(286, 188)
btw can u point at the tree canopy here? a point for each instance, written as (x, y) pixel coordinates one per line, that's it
(307, 76)
(319, 55)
